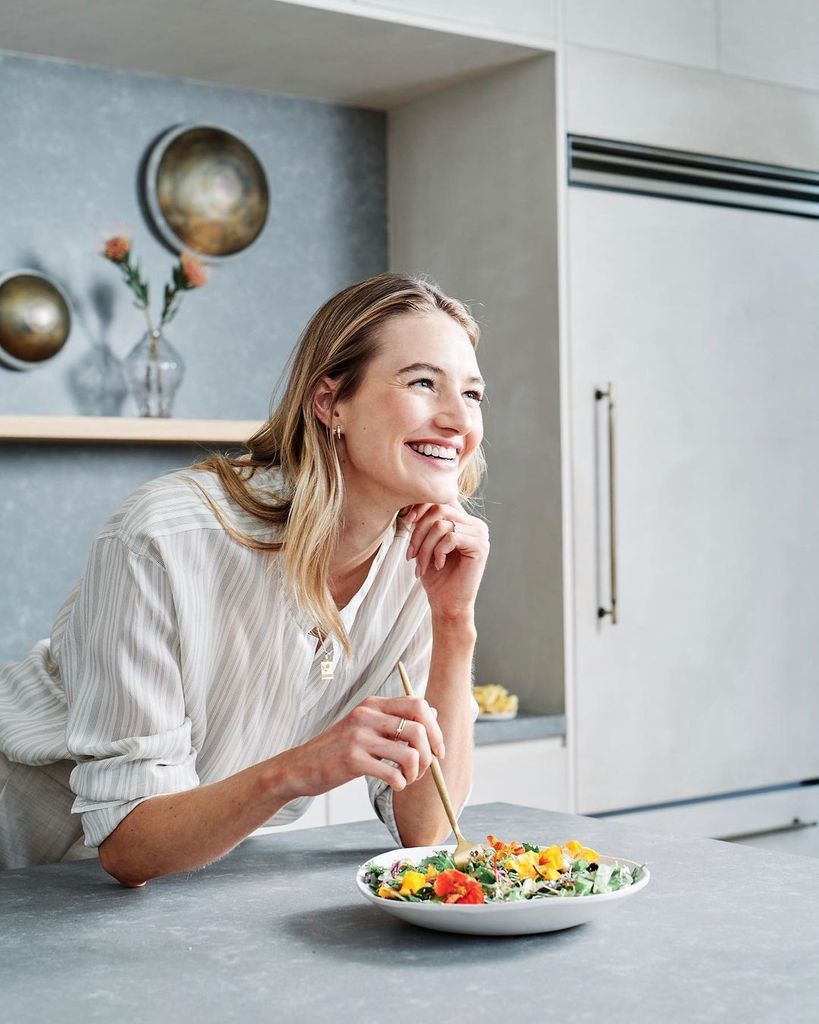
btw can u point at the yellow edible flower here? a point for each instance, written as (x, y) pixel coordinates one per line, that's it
(412, 882)
(525, 865)
(577, 850)
(432, 873)
(547, 871)
(552, 856)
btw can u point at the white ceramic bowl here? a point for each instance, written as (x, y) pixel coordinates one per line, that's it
(521, 917)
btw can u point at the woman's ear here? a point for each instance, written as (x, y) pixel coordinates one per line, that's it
(323, 400)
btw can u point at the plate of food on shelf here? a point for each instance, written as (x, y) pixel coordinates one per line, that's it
(495, 703)
(513, 888)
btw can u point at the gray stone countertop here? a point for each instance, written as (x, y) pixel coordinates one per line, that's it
(276, 931)
(525, 726)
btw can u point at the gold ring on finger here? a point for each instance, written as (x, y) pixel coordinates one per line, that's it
(400, 729)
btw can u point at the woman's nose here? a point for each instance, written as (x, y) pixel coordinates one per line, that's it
(455, 414)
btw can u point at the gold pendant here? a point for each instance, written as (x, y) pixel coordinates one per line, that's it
(327, 665)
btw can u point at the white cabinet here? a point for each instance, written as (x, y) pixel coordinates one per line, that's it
(534, 19)
(349, 803)
(700, 317)
(785, 820)
(664, 30)
(774, 40)
(531, 772)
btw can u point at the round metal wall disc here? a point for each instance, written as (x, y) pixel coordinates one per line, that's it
(206, 190)
(35, 319)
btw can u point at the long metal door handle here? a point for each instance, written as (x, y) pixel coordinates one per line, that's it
(601, 612)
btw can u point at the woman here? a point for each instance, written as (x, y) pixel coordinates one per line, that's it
(231, 650)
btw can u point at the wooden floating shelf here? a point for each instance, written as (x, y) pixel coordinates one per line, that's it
(117, 429)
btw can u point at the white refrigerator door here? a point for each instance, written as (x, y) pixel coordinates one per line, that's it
(706, 319)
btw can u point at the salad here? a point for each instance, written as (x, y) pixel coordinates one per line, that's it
(500, 873)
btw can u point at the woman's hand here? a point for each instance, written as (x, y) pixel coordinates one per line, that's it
(450, 548)
(356, 744)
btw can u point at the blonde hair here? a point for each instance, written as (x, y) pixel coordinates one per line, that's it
(338, 342)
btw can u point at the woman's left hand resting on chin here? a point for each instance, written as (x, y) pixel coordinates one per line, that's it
(449, 561)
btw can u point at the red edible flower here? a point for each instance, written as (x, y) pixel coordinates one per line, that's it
(456, 887)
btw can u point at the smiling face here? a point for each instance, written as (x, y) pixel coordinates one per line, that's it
(416, 418)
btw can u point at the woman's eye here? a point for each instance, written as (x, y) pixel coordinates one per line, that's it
(476, 396)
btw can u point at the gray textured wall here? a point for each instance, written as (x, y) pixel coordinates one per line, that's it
(73, 139)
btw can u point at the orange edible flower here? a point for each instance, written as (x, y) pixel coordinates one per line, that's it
(504, 850)
(117, 248)
(456, 887)
(193, 270)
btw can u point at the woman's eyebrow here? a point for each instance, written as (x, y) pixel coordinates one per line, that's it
(429, 368)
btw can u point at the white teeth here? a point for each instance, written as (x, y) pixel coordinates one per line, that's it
(436, 451)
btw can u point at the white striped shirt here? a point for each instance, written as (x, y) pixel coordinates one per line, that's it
(180, 657)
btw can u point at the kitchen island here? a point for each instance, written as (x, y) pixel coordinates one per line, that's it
(277, 931)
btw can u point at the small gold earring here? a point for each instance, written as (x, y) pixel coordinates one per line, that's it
(337, 431)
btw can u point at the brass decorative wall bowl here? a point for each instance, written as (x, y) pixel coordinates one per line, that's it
(206, 191)
(35, 319)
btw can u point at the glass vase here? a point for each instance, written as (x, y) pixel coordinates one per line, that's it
(154, 371)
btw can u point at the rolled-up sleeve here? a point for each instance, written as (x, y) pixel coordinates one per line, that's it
(416, 660)
(127, 726)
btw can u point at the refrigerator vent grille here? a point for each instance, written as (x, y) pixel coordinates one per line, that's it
(694, 177)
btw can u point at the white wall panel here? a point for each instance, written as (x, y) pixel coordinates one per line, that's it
(775, 40)
(530, 18)
(677, 31)
(636, 100)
